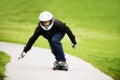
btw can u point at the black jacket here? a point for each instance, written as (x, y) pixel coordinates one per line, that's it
(58, 27)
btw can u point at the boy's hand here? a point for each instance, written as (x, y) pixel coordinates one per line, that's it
(25, 50)
(22, 55)
(74, 46)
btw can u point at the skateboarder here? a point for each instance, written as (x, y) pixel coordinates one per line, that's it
(53, 30)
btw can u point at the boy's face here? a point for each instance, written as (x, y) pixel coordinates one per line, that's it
(46, 23)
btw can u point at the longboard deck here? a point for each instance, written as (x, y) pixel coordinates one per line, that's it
(60, 68)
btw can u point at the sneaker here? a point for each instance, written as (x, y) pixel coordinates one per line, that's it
(61, 63)
(55, 63)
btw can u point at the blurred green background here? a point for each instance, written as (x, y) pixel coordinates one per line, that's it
(95, 24)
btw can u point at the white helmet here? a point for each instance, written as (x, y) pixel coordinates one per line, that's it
(46, 16)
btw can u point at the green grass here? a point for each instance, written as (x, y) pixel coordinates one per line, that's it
(94, 22)
(4, 59)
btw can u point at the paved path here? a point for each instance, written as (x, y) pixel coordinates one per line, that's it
(37, 65)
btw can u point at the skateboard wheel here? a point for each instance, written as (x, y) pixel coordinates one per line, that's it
(54, 69)
(66, 69)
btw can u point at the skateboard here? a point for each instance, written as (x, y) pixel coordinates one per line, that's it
(60, 67)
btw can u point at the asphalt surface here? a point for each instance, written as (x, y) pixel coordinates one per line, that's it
(38, 64)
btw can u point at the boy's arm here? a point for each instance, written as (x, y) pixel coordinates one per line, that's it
(71, 36)
(32, 40)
